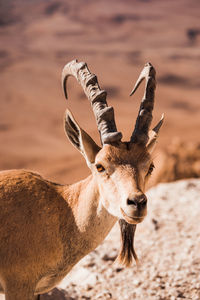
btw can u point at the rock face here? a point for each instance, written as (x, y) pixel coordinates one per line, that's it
(179, 160)
(167, 243)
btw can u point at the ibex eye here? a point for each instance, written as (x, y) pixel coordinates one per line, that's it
(151, 169)
(100, 168)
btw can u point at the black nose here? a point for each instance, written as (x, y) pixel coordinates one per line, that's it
(139, 201)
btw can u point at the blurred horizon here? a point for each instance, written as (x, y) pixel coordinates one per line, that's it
(116, 39)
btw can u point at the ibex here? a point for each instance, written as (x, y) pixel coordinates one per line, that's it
(46, 228)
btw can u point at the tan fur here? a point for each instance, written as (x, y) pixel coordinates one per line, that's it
(125, 171)
(46, 228)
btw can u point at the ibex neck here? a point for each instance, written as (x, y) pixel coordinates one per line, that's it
(92, 219)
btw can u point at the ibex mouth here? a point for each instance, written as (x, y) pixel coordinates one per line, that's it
(131, 220)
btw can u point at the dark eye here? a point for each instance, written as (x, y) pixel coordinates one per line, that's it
(100, 168)
(150, 169)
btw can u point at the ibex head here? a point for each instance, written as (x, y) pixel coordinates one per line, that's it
(121, 168)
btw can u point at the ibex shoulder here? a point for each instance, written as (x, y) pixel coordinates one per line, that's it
(24, 181)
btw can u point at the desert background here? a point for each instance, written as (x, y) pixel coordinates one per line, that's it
(116, 38)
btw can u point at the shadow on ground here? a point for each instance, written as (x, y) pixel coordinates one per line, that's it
(56, 294)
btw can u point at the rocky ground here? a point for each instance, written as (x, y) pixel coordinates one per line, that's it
(167, 243)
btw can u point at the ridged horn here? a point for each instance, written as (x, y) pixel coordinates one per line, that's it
(144, 118)
(104, 114)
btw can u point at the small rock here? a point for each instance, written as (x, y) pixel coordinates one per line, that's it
(155, 223)
(104, 295)
(119, 270)
(109, 257)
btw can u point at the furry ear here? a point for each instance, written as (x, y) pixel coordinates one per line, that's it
(80, 139)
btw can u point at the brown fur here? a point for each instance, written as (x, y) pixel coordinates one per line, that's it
(46, 228)
(40, 230)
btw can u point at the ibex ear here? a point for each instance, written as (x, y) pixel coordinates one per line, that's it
(153, 135)
(80, 139)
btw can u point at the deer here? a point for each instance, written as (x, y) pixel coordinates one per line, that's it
(46, 227)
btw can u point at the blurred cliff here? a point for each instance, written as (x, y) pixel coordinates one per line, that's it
(179, 160)
(115, 38)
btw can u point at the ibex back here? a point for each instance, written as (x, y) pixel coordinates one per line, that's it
(46, 228)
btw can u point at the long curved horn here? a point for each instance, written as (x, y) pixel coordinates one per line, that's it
(143, 122)
(104, 115)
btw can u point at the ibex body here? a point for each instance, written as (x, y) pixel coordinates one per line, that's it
(46, 228)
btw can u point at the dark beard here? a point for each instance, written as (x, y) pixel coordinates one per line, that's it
(127, 252)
